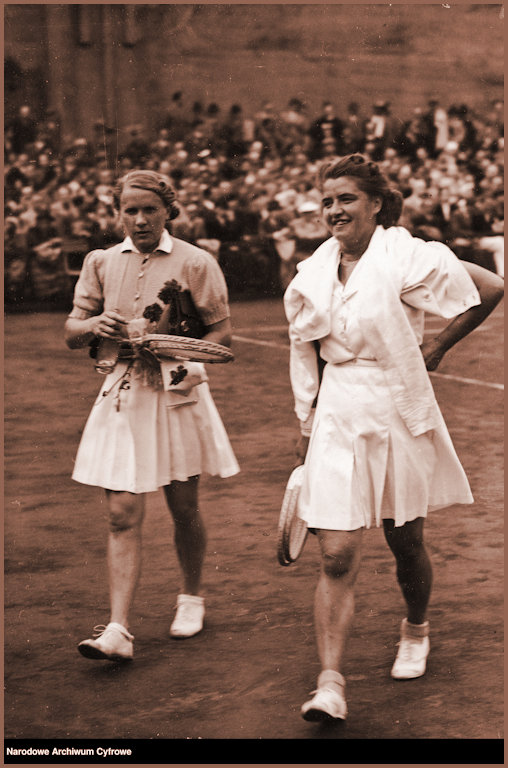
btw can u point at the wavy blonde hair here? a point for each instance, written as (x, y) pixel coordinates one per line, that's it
(151, 181)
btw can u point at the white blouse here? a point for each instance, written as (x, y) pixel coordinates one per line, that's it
(346, 341)
(397, 281)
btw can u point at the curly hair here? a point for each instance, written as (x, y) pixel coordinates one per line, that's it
(370, 180)
(151, 181)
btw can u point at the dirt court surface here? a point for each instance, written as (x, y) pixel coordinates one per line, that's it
(247, 674)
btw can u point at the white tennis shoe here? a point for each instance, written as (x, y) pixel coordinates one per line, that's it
(112, 642)
(411, 660)
(189, 616)
(327, 704)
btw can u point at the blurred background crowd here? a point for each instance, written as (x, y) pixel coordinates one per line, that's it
(245, 185)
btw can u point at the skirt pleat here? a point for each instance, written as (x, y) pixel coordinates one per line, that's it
(363, 465)
(136, 440)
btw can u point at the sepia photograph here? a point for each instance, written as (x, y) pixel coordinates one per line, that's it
(253, 382)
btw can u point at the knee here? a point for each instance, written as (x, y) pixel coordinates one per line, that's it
(408, 548)
(338, 564)
(182, 500)
(126, 511)
(405, 541)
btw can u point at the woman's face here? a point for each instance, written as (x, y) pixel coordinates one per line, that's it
(143, 215)
(349, 213)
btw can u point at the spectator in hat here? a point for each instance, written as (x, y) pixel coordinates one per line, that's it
(308, 227)
(354, 129)
(413, 136)
(137, 149)
(211, 127)
(377, 129)
(177, 120)
(436, 120)
(461, 129)
(22, 129)
(326, 133)
(295, 123)
(231, 135)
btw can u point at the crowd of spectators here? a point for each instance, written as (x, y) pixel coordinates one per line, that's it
(246, 185)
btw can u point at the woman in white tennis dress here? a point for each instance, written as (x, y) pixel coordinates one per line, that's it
(376, 448)
(151, 426)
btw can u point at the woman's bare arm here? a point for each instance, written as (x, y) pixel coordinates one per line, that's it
(491, 289)
(78, 333)
(220, 333)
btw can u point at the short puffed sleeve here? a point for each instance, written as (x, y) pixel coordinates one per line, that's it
(89, 290)
(208, 288)
(436, 281)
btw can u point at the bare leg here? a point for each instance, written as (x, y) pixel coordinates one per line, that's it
(126, 513)
(190, 533)
(334, 599)
(414, 569)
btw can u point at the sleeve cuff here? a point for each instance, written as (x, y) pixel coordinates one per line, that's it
(79, 313)
(306, 426)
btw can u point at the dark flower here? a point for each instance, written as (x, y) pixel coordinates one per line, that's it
(153, 312)
(178, 375)
(166, 293)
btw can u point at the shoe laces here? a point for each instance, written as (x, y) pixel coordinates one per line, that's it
(99, 630)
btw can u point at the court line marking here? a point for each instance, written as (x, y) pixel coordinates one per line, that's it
(260, 343)
(478, 382)
(263, 328)
(448, 376)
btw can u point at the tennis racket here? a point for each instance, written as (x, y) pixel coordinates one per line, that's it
(187, 348)
(292, 531)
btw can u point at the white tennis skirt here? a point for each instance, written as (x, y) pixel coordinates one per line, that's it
(135, 440)
(363, 465)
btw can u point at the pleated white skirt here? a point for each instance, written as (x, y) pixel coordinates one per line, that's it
(363, 465)
(135, 441)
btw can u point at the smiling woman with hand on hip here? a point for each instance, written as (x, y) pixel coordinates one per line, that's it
(375, 445)
(146, 432)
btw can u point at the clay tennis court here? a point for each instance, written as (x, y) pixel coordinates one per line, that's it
(246, 675)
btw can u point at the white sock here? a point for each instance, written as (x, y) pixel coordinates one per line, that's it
(329, 678)
(415, 630)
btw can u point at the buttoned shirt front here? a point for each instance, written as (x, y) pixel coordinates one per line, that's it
(122, 279)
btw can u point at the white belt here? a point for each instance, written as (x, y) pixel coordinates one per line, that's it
(358, 361)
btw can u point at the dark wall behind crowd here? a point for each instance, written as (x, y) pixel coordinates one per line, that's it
(121, 63)
(239, 104)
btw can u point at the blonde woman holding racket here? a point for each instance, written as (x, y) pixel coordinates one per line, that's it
(154, 423)
(376, 448)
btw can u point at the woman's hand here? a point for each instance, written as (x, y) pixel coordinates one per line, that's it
(109, 325)
(491, 289)
(301, 448)
(433, 352)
